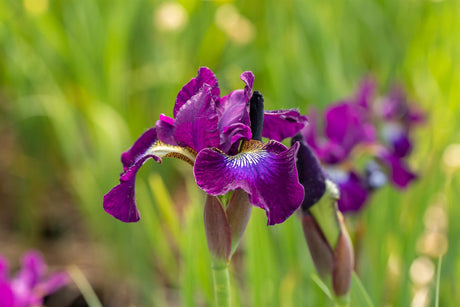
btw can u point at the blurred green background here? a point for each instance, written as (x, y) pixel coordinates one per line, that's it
(80, 80)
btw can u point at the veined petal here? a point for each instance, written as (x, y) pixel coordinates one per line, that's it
(196, 122)
(165, 129)
(282, 124)
(205, 76)
(120, 201)
(266, 172)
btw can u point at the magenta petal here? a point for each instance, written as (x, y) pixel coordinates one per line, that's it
(401, 175)
(282, 124)
(267, 173)
(196, 122)
(353, 193)
(205, 76)
(52, 283)
(231, 135)
(345, 125)
(165, 129)
(144, 142)
(120, 202)
(6, 294)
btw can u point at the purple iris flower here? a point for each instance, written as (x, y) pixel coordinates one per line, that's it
(350, 131)
(31, 284)
(213, 134)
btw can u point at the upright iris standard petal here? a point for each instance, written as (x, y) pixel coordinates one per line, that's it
(311, 174)
(346, 125)
(196, 122)
(282, 124)
(165, 129)
(266, 172)
(120, 201)
(205, 76)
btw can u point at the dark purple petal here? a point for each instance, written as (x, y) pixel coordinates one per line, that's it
(205, 76)
(231, 135)
(401, 175)
(146, 140)
(165, 129)
(233, 112)
(120, 202)
(282, 124)
(346, 125)
(311, 174)
(397, 136)
(267, 173)
(353, 192)
(196, 122)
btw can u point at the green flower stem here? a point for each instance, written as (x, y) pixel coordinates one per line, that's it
(221, 284)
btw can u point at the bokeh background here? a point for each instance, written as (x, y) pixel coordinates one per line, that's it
(80, 80)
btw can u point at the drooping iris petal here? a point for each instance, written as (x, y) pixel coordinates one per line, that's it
(311, 175)
(346, 125)
(165, 129)
(120, 201)
(353, 193)
(401, 175)
(129, 157)
(196, 122)
(282, 124)
(266, 172)
(205, 76)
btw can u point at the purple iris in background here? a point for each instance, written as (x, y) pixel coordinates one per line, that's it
(351, 132)
(214, 134)
(31, 284)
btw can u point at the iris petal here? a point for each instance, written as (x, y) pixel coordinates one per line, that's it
(196, 122)
(165, 129)
(266, 172)
(282, 124)
(205, 76)
(353, 193)
(120, 201)
(401, 175)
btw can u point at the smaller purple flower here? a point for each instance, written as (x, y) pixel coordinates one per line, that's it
(31, 284)
(212, 134)
(350, 134)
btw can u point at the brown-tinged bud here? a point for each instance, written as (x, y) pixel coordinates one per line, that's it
(320, 250)
(238, 214)
(217, 231)
(343, 263)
